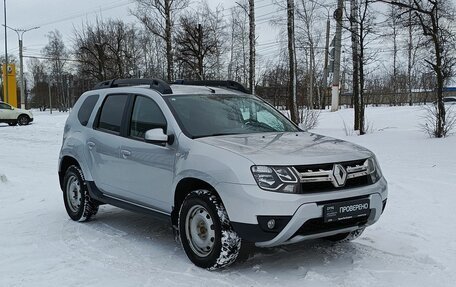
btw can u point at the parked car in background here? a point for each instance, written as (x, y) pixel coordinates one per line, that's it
(14, 116)
(449, 100)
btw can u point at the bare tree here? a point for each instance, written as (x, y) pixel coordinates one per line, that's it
(292, 61)
(356, 58)
(435, 17)
(252, 46)
(158, 17)
(394, 25)
(56, 53)
(107, 50)
(307, 14)
(199, 43)
(39, 92)
(361, 28)
(238, 59)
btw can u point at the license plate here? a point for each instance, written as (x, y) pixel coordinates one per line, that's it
(346, 210)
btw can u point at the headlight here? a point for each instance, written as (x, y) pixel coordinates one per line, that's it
(276, 178)
(373, 168)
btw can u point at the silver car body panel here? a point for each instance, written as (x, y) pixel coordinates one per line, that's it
(147, 174)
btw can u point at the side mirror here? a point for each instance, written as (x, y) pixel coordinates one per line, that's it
(156, 136)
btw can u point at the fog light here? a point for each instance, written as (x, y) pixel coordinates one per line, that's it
(271, 224)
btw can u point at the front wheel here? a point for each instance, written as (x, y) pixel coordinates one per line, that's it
(205, 231)
(23, 120)
(78, 203)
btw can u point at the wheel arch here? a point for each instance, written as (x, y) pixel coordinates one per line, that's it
(22, 114)
(183, 188)
(65, 163)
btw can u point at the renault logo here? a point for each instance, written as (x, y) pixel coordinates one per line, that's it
(339, 175)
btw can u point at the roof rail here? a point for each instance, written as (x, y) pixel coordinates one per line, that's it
(155, 84)
(232, 85)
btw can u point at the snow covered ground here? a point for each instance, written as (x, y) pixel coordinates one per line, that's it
(413, 244)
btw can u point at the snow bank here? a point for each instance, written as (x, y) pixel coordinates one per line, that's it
(412, 245)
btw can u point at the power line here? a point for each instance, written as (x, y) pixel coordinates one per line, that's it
(79, 15)
(50, 58)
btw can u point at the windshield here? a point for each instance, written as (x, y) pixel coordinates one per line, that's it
(212, 115)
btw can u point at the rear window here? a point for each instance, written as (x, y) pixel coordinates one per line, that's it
(112, 112)
(86, 109)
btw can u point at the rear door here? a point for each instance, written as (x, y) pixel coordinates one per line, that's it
(103, 144)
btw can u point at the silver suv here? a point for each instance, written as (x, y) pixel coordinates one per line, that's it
(226, 168)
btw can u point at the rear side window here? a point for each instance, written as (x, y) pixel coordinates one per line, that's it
(86, 109)
(112, 112)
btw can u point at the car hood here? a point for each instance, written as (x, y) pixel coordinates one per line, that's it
(300, 148)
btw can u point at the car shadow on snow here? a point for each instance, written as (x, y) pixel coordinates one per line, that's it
(145, 236)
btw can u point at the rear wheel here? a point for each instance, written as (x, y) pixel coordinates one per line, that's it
(78, 203)
(345, 237)
(23, 120)
(205, 231)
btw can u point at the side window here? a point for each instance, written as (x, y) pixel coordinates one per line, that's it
(112, 112)
(4, 106)
(146, 115)
(86, 109)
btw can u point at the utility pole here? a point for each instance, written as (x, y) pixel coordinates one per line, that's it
(338, 14)
(20, 37)
(6, 54)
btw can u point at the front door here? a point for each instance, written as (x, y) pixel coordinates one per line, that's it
(148, 168)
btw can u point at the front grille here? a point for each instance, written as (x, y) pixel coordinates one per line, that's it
(321, 178)
(317, 225)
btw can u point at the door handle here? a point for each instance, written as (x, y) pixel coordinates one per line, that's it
(91, 145)
(125, 153)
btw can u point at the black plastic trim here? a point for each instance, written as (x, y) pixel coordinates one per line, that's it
(154, 84)
(384, 205)
(280, 223)
(252, 232)
(232, 85)
(342, 199)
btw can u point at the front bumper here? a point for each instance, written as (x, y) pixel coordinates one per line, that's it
(245, 204)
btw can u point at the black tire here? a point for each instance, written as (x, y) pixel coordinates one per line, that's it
(247, 251)
(78, 203)
(23, 120)
(13, 123)
(205, 231)
(345, 237)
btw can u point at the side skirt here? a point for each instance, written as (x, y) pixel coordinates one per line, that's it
(97, 194)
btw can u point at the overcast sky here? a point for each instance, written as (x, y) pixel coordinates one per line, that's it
(64, 15)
